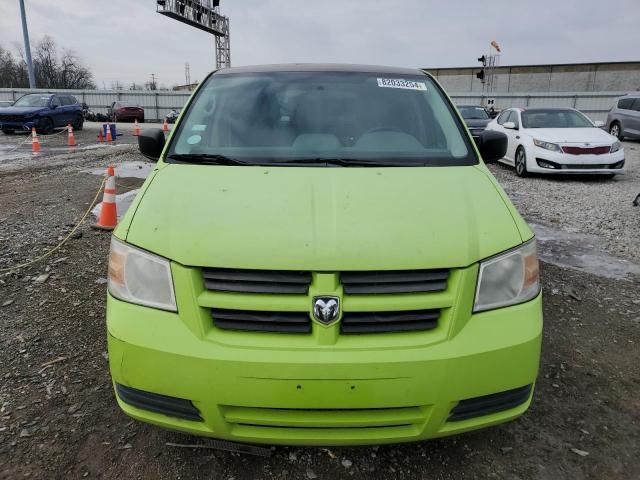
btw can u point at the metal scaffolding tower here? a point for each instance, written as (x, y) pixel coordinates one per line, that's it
(223, 45)
(204, 15)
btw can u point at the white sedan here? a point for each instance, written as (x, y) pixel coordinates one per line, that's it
(557, 140)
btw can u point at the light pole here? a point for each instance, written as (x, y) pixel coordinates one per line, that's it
(27, 47)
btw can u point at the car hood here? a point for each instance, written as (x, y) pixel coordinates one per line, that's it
(322, 219)
(21, 110)
(476, 122)
(571, 135)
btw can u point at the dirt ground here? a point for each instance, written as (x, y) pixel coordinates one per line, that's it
(59, 419)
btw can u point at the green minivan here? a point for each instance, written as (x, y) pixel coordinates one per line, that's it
(321, 257)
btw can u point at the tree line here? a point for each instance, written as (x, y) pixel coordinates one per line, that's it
(52, 69)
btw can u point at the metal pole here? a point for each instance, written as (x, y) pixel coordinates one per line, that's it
(27, 47)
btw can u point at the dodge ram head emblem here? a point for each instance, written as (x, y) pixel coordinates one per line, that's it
(326, 309)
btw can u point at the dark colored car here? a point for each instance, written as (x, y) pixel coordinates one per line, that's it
(122, 112)
(476, 118)
(44, 111)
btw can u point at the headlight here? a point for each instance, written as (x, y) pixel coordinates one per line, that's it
(546, 145)
(615, 147)
(140, 277)
(509, 278)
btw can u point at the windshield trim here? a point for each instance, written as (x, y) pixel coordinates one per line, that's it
(471, 159)
(49, 97)
(559, 110)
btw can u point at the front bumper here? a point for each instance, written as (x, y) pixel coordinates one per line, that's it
(546, 161)
(25, 125)
(325, 394)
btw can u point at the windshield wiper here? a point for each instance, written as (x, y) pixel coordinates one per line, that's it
(349, 162)
(208, 159)
(357, 162)
(215, 159)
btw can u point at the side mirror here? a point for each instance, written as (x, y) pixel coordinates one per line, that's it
(492, 145)
(151, 143)
(509, 125)
(599, 123)
(54, 106)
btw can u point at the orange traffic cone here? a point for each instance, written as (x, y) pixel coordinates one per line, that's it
(136, 128)
(71, 139)
(35, 143)
(100, 137)
(108, 137)
(108, 210)
(165, 126)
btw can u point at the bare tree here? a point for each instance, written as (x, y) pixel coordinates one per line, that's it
(52, 71)
(73, 74)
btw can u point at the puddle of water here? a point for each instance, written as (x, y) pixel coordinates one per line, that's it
(133, 169)
(581, 252)
(123, 202)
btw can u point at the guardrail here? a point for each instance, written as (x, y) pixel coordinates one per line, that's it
(593, 104)
(158, 103)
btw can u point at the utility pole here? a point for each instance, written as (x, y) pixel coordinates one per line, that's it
(27, 47)
(153, 85)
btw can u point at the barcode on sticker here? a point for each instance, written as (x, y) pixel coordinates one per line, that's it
(400, 83)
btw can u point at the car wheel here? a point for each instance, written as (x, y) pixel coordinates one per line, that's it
(7, 131)
(521, 162)
(141, 120)
(46, 126)
(78, 124)
(616, 130)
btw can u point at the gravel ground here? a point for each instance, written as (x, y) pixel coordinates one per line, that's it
(59, 419)
(586, 204)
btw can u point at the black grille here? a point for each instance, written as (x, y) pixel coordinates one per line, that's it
(254, 321)
(386, 322)
(404, 281)
(496, 402)
(257, 281)
(154, 402)
(578, 166)
(11, 118)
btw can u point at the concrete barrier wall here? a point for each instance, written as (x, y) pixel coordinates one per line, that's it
(158, 104)
(591, 77)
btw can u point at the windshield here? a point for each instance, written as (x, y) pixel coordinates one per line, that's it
(313, 116)
(555, 119)
(473, 113)
(32, 101)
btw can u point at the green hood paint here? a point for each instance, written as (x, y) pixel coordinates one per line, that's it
(323, 219)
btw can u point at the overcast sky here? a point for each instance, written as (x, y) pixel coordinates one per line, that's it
(126, 40)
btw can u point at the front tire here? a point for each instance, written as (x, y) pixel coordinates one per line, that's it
(79, 123)
(616, 130)
(46, 126)
(8, 131)
(521, 163)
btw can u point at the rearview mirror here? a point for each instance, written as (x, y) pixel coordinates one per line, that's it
(599, 123)
(509, 125)
(151, 143)
(492, 145)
